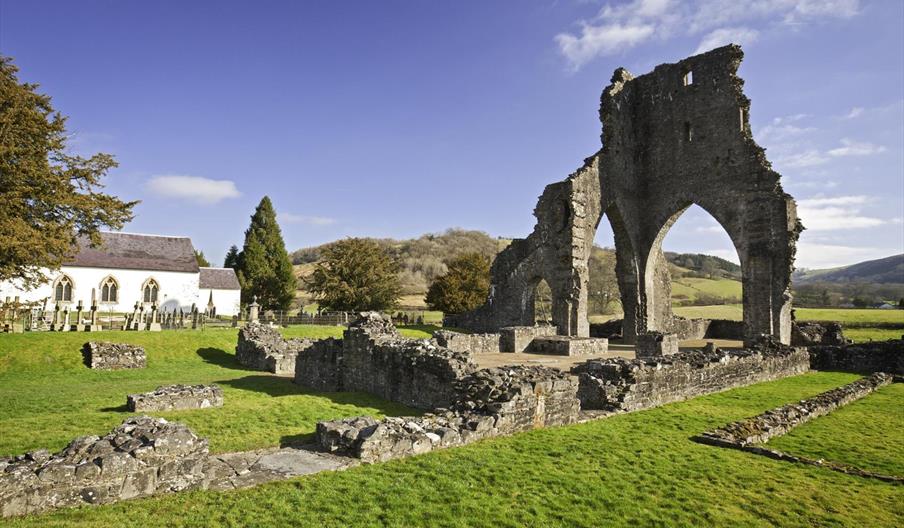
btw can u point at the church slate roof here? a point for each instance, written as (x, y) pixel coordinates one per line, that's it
(219, 279)
(138, 252)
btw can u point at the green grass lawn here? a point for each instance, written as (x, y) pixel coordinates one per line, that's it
(691, 287)
(48, 397)
(638, 469)
(850, 315)
(868, 434)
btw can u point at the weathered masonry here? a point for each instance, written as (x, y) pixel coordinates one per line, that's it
(671, 138)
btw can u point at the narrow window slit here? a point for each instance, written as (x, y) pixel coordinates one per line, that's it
(689, 78)
(688, 132)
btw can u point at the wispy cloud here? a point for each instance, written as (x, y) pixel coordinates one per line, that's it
(724, 36)
(855, 112)
(854, 148)
(835, 213)
(290, 218)
(615, 29)
(204, 191)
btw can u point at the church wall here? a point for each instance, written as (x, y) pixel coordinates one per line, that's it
(177, 289)
(227, 301)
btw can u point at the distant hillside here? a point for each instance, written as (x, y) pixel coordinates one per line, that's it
(704, 266)
(888, 270)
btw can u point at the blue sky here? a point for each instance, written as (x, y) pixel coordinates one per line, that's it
(399, 118)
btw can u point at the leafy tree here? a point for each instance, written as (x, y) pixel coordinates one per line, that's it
(199, 256)
(264, 269)
(464, 287)
(49, 198)
(232, 258)
(355, 274)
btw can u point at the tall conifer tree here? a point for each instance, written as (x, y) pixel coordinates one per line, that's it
(232, 258)
(264, 268)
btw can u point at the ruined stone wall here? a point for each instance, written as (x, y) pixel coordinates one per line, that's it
(490, 403)
(861, 358)
(470, 343)
(675, 137)
(632, 384)
(143, 456)
(262, 347)
(100, 355)
(372, 357)
(518, 338)
(813, 333)
(176, 397)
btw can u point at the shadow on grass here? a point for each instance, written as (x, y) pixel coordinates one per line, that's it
(267, 384)
(121, 408)
(221, 358)
(296, 440)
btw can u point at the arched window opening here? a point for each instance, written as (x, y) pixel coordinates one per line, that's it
(603, 297)
(109, 290)
(62, 292)
(704, 268)
(151, 288)
(542, 303)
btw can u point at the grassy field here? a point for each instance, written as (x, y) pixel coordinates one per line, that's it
(868, 434)
(48, 397)
(690, 288)
(638, 469)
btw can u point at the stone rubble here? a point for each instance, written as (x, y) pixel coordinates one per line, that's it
(176, 397)
(143, 456)
(262, 347)
(804, 333)
(101, 355)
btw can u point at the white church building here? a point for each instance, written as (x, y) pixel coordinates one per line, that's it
(128, 268)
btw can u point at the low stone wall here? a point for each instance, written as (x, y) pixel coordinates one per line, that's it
(568, 346)
(655, 344)
(687, 329)
(100, 355)
(470, 343)
(143, 456)
(631, 384)
(176, 397)
(684, 328)
(372, 357)
(861, 358)
(517, 338)
(810, 333)
(778, 421)
(490, 403)
(262, 347)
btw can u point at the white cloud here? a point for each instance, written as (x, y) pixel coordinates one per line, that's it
(809, 158)
(854, 148)
(815, 256)
(290, 218)
(709, 229)
(836, 213)
(724, 36)
(855, 112)
(196, 189)
(600, 40)
(619, 28)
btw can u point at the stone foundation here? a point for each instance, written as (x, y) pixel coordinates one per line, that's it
(372, 357)
(490, 403)
(176, 397)
(628, 385)
(100, 355)
(811, 333)
(262, 347)
(143, 456)
(517, 338)
(861, 358)
(470, 343)
(655, 344)
(568, 346)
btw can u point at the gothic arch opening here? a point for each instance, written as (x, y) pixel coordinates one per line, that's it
(542, 297)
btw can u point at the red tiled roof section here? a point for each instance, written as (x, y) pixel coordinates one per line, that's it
(139, 252)
(219, 279)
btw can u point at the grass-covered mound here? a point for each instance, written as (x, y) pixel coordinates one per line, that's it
(48, 397)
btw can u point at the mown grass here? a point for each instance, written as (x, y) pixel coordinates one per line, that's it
(639, 469)
(850, 315)
(868, 434)
(692, 287)
(48, 397)
(863, 335)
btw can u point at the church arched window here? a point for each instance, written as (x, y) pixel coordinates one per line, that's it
(150, 291)
(62, 291)
(109, 290)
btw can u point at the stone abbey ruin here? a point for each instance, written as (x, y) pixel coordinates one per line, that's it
(671, 138)
(674, 137)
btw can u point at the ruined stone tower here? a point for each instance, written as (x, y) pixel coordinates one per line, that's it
(671, 138)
